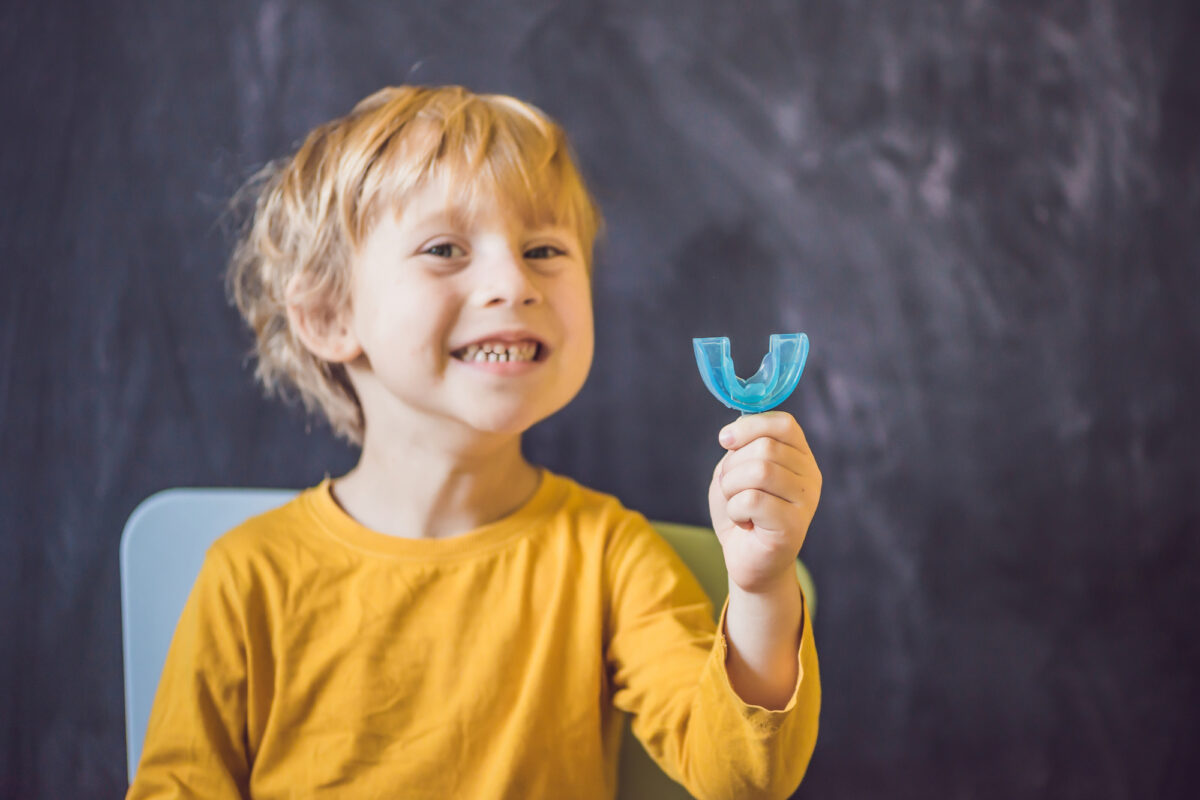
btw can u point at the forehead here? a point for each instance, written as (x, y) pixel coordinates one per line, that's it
(469, 204)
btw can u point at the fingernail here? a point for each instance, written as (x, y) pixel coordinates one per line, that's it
(725, 437)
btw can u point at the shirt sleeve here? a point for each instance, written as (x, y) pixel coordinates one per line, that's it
(667, 662)
(196, 739)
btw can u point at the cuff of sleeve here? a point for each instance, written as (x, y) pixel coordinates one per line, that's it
(767, 720)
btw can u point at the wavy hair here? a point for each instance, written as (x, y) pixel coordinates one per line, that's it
(306, 215)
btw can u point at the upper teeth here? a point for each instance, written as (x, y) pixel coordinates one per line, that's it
(499, 351)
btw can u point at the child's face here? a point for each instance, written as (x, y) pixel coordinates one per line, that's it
(432, 292)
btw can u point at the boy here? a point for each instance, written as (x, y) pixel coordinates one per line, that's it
(448, 620)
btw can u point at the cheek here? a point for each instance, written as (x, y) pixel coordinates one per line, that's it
(580, 328)
(576, 300)
(586, 324)
(401, 336)
(406, 315)
(587, 336)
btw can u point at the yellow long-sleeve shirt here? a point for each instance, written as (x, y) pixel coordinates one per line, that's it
(318, 658)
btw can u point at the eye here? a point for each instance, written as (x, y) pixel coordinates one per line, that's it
(445, 250)
(544, 251)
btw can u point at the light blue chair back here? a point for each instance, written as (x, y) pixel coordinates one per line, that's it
(163, 547)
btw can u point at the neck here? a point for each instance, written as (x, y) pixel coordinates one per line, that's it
(408, 488)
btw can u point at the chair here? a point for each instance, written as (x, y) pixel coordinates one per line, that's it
(163, 546)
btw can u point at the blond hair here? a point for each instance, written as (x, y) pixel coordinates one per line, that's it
(311, 211)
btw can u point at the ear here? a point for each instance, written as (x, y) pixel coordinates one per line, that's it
(324, 330)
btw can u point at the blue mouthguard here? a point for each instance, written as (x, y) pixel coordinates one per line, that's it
(781, 369)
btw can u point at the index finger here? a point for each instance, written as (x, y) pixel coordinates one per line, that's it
(778, 425)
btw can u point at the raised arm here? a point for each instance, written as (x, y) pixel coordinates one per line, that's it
(763, 495)
(669, 668)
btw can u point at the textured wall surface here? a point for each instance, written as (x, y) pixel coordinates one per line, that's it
(983, 214)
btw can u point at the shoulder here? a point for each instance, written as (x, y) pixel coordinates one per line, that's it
(623, 531)
(267, 541)
(589, 507)
(643, 571)
(253, 567)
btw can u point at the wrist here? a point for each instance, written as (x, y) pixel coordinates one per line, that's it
(779, 602)
(763, 630)
(783, 584)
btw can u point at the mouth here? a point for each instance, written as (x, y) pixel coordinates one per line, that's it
(496, 350)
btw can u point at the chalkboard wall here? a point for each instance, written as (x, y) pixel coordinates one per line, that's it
(984, 214)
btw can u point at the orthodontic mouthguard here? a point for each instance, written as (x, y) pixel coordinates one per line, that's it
(776, 378)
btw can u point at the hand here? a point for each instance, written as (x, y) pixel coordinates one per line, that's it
(763, 495)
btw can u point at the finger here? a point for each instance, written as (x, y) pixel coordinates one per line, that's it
(778, 425)
(773, 451)
(719, 469)
(759, 509)
(771, 478)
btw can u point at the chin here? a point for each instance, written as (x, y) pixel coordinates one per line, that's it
(501, 424)
(511, 421)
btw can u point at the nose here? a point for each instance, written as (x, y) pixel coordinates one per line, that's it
(505, 279)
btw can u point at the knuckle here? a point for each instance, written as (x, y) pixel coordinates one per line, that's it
(734, 508)
(757, 448)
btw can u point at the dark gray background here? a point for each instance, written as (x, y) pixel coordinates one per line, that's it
(983, 214)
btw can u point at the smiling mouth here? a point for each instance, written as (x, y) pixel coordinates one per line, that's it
(527, 350)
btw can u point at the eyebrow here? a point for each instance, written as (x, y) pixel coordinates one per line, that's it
(454, 215)
(458, 216)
